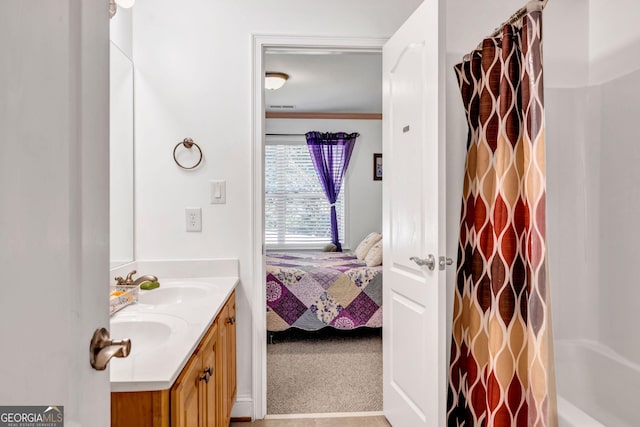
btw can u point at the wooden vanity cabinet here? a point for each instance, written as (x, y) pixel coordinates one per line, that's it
(226, 362)
(193, 395)
(209, 391)
(231, 355)
(186, 396)
(204, 392)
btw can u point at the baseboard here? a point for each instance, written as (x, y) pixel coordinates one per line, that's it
(240, 419)
(243, 407)
(325, 415)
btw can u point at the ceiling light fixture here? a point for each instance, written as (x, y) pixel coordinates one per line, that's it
(113, 5)
(274, 81)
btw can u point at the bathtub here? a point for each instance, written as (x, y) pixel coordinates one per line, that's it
(596, 386)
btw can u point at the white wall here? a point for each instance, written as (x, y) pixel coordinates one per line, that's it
(571, 213)
(592, 175)
(569, 207)
(121, 30)
(194, 78)
(121, 119)
(614, 75)
(364, 195)
(120, 156)
(619, 197)
(613, 36)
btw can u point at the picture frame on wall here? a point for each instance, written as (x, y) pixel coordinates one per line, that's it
(377, 166)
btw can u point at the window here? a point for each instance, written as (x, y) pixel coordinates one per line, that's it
(297, 213)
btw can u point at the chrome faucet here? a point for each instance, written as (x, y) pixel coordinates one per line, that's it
(130, 282)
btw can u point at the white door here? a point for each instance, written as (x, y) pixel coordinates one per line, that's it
(413, 222)
(54, 193)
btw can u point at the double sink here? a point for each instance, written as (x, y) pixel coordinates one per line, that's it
(164, 327)
(148, 329)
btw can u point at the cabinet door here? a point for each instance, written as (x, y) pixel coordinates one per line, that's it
(222, 377)
(185, 396)
(231, 353)
(208, 354)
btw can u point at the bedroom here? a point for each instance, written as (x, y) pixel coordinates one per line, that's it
(325, 91)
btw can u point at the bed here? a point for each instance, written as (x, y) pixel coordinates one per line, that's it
(314, 290)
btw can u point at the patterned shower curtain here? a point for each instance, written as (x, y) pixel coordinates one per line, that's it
(501, 368)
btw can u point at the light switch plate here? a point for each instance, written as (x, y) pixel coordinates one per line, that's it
(218, 192)
(193, 217)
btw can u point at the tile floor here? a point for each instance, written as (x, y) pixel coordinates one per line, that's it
(319, 422)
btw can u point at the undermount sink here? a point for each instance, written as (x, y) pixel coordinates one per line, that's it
(145, 332)
(173, 295)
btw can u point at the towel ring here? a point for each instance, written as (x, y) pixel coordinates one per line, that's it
(187, 143)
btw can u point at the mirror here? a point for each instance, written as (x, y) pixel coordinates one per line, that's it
(121, 157)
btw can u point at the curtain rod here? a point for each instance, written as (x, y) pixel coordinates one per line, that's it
(514, 18)
(517, 16)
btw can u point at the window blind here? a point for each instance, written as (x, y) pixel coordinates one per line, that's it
(297, 213)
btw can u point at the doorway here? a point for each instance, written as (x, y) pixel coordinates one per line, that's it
(282, 45)
(413, 95)
(324, 309)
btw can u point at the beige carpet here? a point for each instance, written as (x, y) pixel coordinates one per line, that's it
(325, 371)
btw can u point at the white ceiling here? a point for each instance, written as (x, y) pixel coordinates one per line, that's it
(323, 81)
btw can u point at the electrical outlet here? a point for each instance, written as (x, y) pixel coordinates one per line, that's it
(194, 219)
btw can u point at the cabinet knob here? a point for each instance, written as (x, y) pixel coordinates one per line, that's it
(231, 320)
(206, 376)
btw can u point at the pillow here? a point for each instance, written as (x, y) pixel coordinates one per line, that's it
(374, 257)
(364, 246)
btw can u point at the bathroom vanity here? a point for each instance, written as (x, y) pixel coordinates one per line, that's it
(182, 366)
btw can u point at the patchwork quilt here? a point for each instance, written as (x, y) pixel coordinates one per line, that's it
(313, 290)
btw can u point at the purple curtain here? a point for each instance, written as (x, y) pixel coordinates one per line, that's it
(330, 153)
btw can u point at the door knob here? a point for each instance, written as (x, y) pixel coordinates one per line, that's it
(444, 261)
(429, 261)
(102, 349)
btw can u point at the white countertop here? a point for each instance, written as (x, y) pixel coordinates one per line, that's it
(156, 364)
